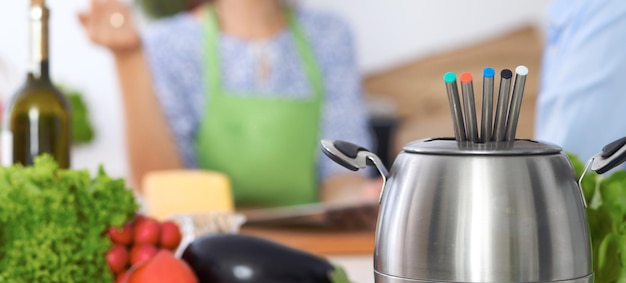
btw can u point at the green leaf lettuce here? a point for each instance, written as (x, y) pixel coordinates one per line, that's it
(53, 222)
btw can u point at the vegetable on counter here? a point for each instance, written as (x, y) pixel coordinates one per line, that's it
(233, 258)
(163, 267)
(54, 222)
(606, 214)
(139, 241)
(82, 129)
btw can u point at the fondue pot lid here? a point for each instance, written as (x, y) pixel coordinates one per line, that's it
(450, 146)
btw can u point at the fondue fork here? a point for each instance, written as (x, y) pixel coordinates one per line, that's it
(455, 106)
(502, 106)
(467, 88)
(516, 102)
(487, 109)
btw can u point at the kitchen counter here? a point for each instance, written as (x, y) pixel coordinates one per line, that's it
(352, 250)
(321, 242)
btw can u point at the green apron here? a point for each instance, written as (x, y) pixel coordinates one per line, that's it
(266, 145)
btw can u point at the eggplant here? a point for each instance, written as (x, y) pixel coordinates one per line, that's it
(235, 258)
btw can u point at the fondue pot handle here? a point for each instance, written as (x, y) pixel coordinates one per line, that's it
(612, 155)
(354, 157)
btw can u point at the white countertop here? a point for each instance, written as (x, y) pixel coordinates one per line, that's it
(360, 268)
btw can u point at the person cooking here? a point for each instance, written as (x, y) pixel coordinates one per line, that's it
(579, 106)
(244, 87)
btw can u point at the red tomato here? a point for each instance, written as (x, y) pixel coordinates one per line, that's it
(123, 236)
(117, 258)
(146, 231)
(142, 252)
(170, 235)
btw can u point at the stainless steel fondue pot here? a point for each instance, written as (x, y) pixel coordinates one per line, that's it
(457, 210)
(467, 212)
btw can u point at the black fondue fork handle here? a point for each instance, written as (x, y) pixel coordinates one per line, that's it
(612, 155)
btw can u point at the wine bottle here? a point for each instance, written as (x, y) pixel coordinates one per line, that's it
(37, 118)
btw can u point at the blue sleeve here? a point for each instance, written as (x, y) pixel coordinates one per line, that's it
(582, 94)
(344, 115)
(166, 50)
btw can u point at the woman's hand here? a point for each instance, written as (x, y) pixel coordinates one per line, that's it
(109, 23)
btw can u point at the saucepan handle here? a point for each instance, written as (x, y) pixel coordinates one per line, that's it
(612, 155)
(354, 157)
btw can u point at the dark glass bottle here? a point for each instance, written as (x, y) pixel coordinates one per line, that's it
(37, 118)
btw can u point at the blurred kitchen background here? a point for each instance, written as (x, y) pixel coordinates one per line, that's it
(404, 48)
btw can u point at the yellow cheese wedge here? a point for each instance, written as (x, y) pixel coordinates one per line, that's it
(172, 192)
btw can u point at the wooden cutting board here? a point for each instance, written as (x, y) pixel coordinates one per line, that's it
(322, 242)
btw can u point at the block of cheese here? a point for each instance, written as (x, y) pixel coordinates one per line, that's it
(172, 192)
